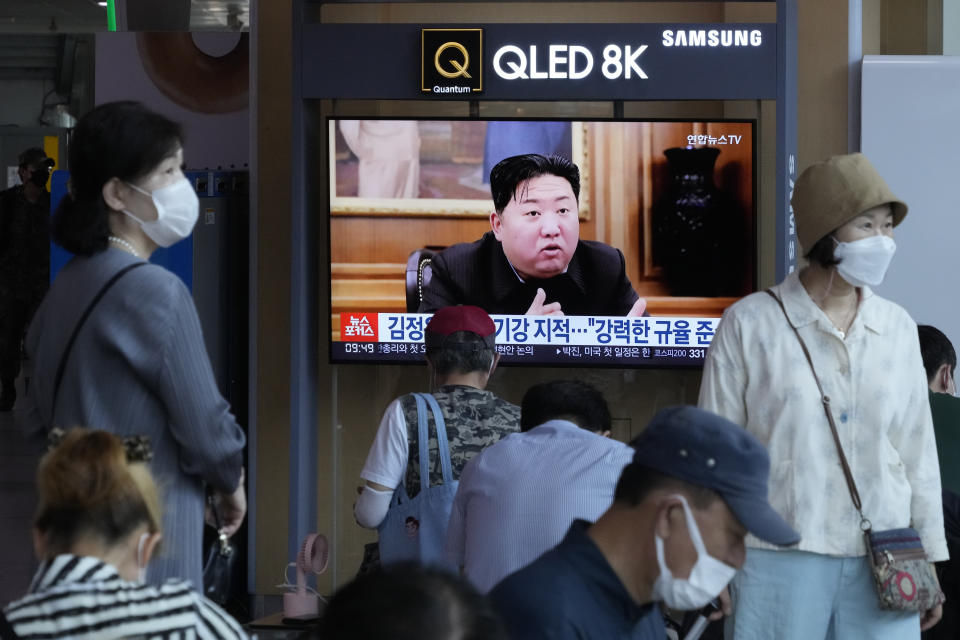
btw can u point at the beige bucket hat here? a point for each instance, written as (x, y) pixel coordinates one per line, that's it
(830, 193)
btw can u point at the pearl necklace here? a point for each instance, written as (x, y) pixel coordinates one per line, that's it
(848, 318)
(123, 243)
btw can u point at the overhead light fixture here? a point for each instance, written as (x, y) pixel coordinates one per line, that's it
(102, 3)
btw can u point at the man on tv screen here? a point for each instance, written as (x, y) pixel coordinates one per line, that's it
(533, 261)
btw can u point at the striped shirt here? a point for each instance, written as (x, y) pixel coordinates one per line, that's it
(83, 597)
(517, 498)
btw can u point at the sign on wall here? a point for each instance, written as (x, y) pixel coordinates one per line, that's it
(727, 61)
(451, 61)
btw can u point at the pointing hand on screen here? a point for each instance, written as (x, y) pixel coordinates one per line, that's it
(638, 308)
(540, 309)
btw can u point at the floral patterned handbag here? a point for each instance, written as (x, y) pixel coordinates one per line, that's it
(903, 576)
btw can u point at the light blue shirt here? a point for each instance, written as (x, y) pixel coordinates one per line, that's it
(518, 498)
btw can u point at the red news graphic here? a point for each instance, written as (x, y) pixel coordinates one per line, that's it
(359, 327)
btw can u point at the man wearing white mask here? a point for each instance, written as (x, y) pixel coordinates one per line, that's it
(865, 353)
(674, 535)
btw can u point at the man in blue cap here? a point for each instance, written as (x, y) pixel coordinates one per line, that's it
(674, 534)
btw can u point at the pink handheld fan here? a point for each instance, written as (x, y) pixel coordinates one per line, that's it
(313, 557)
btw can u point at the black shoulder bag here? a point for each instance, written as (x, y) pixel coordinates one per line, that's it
(904, 579)
(218, 567)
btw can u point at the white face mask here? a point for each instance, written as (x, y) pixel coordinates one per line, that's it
(707, 578)
(864, 262)
(177, 210)
(141, 565)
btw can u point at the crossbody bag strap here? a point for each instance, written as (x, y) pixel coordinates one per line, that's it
(825, 399)
(83, 318)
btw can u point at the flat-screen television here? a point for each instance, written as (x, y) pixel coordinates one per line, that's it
(666, 209)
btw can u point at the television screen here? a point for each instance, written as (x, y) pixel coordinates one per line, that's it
(628, 259)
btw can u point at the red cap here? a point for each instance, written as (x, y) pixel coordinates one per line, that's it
(461, 318)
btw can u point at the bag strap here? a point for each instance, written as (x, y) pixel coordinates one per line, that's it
(424, 438)
(446, 466)
(83, 318)
(6, 629)
(223, 542)
(825, 399)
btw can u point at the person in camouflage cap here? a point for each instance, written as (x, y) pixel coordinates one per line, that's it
(461, 357)
(24, 261)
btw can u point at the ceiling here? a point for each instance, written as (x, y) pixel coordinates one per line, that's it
(85, 16)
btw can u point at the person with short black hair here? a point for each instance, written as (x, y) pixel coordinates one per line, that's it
(673, 535)
(409, 602)
(939, 359)
(572, 400)
(461, 357)
(96, 530)
(940, 363)
(24, 261)
(117, 341)
(533, 261)
(517, 498)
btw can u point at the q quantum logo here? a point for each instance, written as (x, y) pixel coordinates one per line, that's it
(451, 61)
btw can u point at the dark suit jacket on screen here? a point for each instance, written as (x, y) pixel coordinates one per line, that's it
(478, 273)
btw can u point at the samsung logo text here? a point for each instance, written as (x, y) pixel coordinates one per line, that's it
(713, 38)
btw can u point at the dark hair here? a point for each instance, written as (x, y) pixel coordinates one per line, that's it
(409, 602)
(460, 352)
(31, 156)
(122, 140)
(574, 400)
(637, 482)
(936, 350)
(508, 174)
(87, 487)
(822, 252)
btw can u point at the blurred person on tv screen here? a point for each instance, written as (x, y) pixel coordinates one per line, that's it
(388, 154)
(533, 261)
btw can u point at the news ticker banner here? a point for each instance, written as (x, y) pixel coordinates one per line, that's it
(583, 340)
